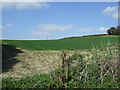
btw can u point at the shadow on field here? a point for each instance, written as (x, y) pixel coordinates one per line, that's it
(8, 57)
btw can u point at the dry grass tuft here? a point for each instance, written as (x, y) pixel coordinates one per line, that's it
(36, 62)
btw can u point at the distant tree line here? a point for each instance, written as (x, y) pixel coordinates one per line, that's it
(114, 31)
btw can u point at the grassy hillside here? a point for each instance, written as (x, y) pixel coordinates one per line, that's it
(41, 66)
(65, 44)
(97, 69)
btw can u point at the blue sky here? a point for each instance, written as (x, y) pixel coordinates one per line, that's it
(54, 20)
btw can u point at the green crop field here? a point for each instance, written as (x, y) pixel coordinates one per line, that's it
(65, 44)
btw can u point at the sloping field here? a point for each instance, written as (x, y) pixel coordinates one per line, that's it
(96, 67)
(65, 44)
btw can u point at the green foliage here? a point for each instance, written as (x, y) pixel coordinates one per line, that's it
(113, 31)
(76, 57)
(54, 80)
(37, 81)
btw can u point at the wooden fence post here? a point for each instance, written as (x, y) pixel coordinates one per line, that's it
(64, 66)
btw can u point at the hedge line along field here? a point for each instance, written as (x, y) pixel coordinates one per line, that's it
(65, 44)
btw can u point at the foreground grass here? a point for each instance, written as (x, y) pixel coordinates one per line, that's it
(100, 71)
(65, 44)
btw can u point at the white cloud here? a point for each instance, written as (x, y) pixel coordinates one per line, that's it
(2, 38)
(6, 25)
(92, 30)
(26, 0)
(112, 11)
(55, 27)
(86, 30)
(38, 32)
(9, 25)
(116, 15)
(24, 5)
(102, 29)
(47, 29)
